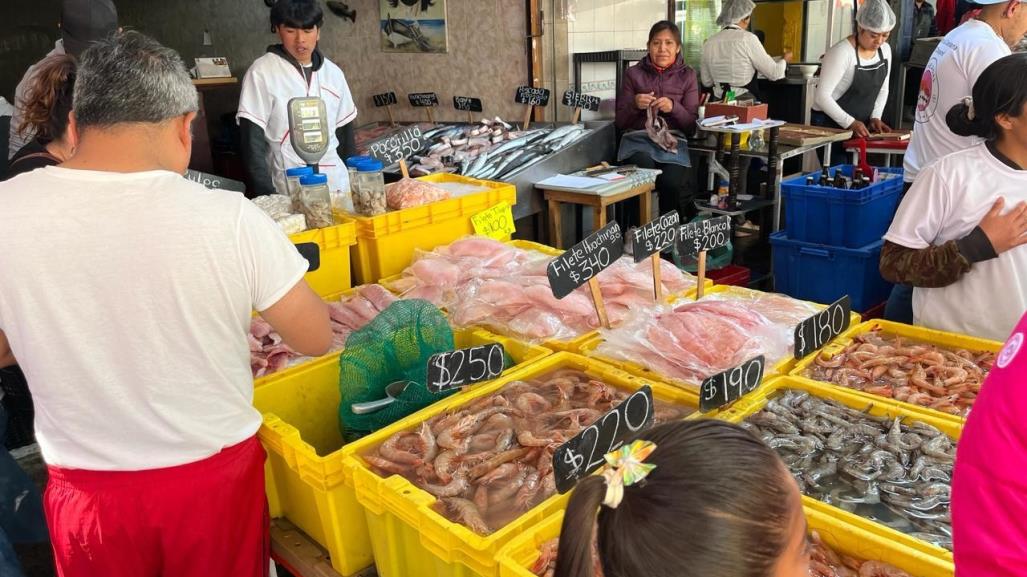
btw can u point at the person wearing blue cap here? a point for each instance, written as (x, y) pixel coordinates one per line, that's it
(82, 23)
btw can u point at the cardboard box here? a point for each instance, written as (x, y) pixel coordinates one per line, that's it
(744, 113)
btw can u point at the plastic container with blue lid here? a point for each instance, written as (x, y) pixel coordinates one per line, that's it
(369, 192)
(292, 182)
(316, 201)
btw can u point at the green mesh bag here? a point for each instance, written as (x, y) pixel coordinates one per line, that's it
(395, 346)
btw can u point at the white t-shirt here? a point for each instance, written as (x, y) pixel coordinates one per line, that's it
(269, 85)
(836, 73)
(950, 75)
(17, 141)
(733, 56)
(946, 202)
(127, 300)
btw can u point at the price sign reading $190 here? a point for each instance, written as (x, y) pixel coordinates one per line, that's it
(731, 385)
(584, 453)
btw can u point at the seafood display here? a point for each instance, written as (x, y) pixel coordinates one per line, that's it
(490, 149)
(824, 562)
(906, 370)
(483, 282)
(695, 340)
(268, 354)
(491, 460)
(408, 193)
(896, 474)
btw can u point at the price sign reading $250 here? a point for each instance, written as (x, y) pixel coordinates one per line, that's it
(462, 367)
(815, 332)
(731, 385)
(584, 453)
(705, 235)
(655, 236)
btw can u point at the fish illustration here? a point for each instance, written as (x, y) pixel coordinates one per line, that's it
(401, 31)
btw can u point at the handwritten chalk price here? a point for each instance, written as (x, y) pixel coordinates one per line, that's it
(584, 453)
(532, 96)
(815, 332)
(398, 146)
(467, 103)
(731, 385)
(583, 101)
(705, 235)
(384, 99)
(655, 236)
(463, 367)
(423, 99)
(577, 265)
(496, 222)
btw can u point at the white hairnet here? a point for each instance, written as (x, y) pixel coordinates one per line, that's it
(876, 16)
(734, 11)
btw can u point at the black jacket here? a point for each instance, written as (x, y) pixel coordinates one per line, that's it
(254, 143)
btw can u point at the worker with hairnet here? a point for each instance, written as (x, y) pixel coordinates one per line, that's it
(732, 57)
(853, 85)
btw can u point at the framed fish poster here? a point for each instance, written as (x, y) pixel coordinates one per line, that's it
(413, 26)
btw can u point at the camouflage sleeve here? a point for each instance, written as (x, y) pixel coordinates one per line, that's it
(931, 267)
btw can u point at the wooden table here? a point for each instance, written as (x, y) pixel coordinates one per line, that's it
(599, 204)
(300, 555)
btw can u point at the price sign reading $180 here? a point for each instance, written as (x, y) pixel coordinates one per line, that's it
(584, 453)
(815, 332)
(655, 236)
(705, 235)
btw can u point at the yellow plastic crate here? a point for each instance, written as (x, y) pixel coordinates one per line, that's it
(780, 366)
(877, 406)
(516, 559)
(934, 337)
(385, 243)
(306, 479)
(334, 242)
(410, 539)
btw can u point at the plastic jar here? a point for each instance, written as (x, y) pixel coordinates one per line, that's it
(352, 163)
(316, 201)
(292, 180)
(369, 194)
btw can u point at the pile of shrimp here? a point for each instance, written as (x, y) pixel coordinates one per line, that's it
(826, 562)
(491, 460)
(923, 374)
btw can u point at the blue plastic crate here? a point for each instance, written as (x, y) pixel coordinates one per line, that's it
(824, 274)
(838, 217)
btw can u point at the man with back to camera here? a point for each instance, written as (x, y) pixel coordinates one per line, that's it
(82, 23)
(130, 321)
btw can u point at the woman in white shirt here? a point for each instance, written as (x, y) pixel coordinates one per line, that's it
(952, 238)
(853, 86)
(732, 57)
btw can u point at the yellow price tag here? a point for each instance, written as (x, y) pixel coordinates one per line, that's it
(496, 222)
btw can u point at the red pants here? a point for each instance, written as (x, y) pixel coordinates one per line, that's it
(207, 518)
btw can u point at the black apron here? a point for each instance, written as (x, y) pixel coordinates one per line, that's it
(858, 101)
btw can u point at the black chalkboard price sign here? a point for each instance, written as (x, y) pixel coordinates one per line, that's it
(384, 99)
(696, 237)
(655, 236)
(462, 367)
(731, 385)
(584, 453)
(815, 332)
(583, 101)
(467, 103)
(422, 99)
(582, 262)
(532, 96)
(397, 146)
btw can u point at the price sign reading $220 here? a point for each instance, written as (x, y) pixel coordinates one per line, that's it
(496, 222)
(584, 453)
(731, 385)
(705, 235)
(655, 236)
(815, 332)
(462, 367)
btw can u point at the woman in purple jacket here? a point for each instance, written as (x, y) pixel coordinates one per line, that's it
(661, 78)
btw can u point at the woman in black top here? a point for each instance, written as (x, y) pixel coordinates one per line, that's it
(46, 106)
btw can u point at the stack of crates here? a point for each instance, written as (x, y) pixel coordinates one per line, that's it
(831, 245)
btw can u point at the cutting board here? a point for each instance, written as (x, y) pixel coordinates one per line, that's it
(805, 135)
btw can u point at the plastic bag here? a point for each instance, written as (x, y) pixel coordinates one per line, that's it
(408, 193)
(275, 205)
